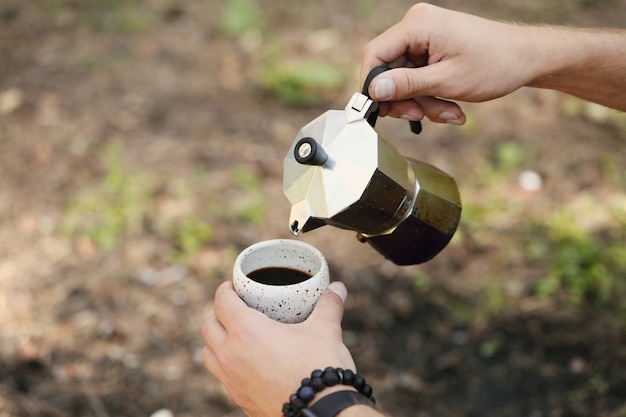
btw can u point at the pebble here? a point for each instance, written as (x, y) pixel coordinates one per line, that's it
(530, 181)
(163, 412)
(10, 100)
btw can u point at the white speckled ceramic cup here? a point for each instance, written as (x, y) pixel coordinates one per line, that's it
(287, 303)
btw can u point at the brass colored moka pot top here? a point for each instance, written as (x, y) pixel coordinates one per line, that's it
(339, 171)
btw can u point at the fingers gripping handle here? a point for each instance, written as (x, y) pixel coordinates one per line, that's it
(416, 125)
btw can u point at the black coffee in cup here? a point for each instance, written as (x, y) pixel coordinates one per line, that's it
(275, 275)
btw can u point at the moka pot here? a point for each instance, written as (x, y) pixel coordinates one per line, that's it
(341, 172)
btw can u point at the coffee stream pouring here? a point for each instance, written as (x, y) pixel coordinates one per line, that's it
(341, 172)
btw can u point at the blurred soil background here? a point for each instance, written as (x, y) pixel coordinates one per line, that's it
(141, 147)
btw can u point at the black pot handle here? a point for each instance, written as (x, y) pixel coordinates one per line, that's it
(416, 125)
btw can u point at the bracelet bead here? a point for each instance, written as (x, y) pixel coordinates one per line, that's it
(317, 383)
(359, 382)
(319, 380)
(330, 377)
(348, 377)
(306, 393)
(298, 404)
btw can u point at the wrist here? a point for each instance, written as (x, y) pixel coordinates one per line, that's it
(554, 53)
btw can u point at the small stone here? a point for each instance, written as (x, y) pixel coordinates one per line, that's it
(163, 412)
(530, 181)
(577, 366)
(10, 100)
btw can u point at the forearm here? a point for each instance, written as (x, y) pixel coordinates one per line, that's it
(587, 63)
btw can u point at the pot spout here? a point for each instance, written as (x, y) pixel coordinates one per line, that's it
(300, 219)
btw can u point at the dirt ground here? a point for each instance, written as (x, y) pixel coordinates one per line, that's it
(141, 150)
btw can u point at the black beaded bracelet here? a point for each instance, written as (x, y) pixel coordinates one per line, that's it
(319, 380)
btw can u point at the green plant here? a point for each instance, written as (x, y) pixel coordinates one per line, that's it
(612, 171)
(366, 9)
(252, 212)
(245, 179)
(422, 282)
(584, 265)
(496, 300)
(114, 206)
(594, 386)
(470, 125)
(510, 155)
(240, 17)
(302, 83)
(190, 236)
(250, 204)
(126, 16)
(492, 345)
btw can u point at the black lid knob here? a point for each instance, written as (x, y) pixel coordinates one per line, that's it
(307, 151)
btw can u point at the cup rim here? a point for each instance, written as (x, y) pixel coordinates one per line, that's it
(255, 247)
